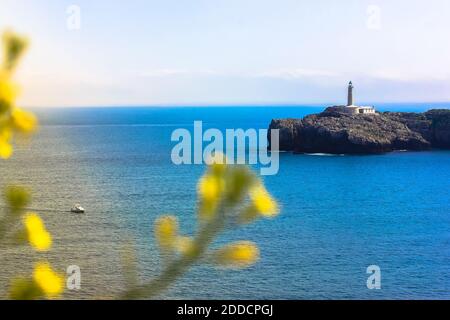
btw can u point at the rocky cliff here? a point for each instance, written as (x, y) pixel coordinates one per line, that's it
(335, 132)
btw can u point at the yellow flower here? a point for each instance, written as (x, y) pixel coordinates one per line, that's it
(6, 149)
(12, 119)
(263, 201)
(48, 280)
(38, 236)
(23, 121)
(166, 232)
(240, 254)
(8, 93)
(5, 145)
(210, 187)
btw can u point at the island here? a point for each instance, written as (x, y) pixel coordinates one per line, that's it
(362, 130)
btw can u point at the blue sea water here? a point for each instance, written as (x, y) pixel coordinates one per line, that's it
(340, 214)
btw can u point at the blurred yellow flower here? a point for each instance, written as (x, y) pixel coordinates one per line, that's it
(23, 121)
(48, 280)
(5, 144)
(263, 201)
(38, 236)
(12, 119)
(210, 187)
(240, 254)
(45, 282)
(6, 149)
(8, 93)
(166, 232)
(224, 193)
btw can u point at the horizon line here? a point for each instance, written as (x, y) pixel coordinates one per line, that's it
(232, 105)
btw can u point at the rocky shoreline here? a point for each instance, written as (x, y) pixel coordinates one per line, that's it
(335, 132)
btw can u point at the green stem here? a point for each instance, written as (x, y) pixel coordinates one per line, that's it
(179, 266)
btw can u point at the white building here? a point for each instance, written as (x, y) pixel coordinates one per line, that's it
(353, 109)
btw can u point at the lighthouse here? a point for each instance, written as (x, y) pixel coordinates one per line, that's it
(350, 94)
(351, 108)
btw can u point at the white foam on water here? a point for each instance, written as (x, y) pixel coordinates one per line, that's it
(324, 154)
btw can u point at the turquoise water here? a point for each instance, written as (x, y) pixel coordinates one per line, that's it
(340, 214)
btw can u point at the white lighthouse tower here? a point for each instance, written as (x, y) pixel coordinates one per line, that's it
(352, 108)
(350, 94)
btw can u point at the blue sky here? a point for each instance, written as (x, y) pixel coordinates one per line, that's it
(224, 52)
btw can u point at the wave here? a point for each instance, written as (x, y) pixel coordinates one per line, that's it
(325, 154)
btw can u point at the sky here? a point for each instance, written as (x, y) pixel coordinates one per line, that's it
(230, 52)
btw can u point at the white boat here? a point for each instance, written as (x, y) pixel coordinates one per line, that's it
(77, 209)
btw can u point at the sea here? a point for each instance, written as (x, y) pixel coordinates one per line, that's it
(339, 215)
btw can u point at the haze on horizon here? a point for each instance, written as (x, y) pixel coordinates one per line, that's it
(145, 52)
